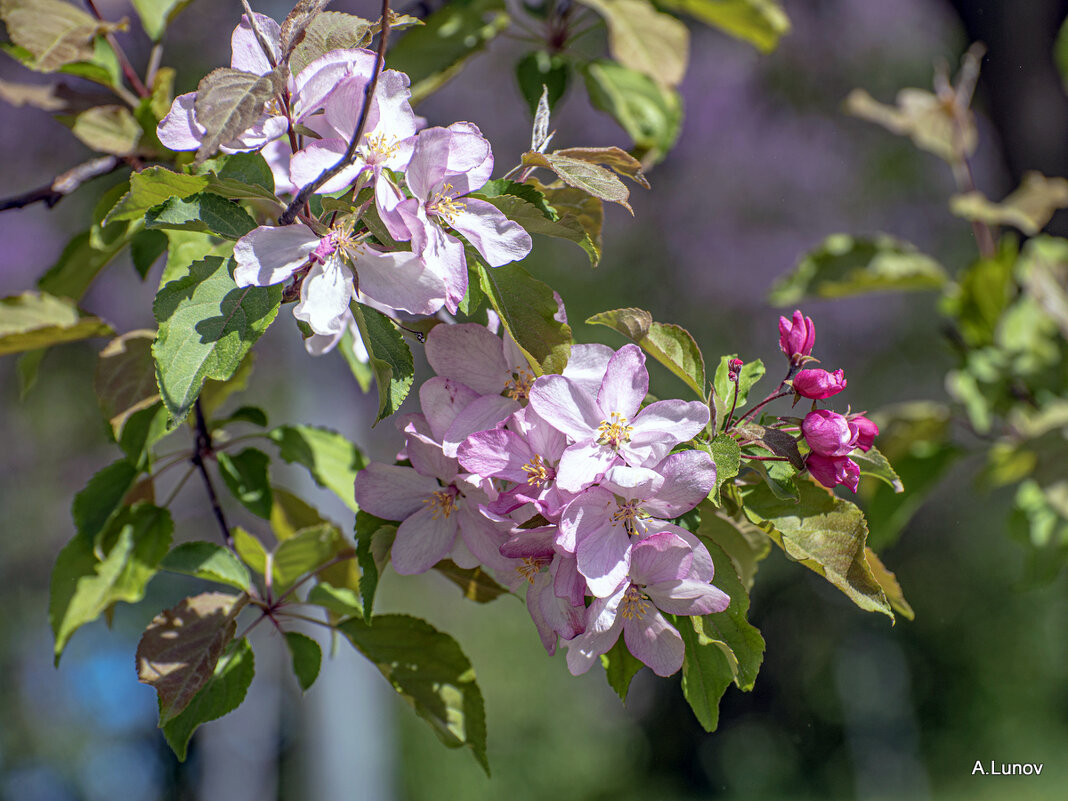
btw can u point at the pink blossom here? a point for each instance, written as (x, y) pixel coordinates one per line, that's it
(829, 433)
(868, 431)
(608, 428)
(796, 337)
(819, 384)
(660, 579)
(488, 364)
(831, 471)
(456, 411)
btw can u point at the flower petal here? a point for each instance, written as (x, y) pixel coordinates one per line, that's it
(179, 130)
(269, 255)
(400, 280)
(487, 412)
(660, 557)
(325, 295)
(423, 540)
(688, 478)
(655, 642)
(661, 426)
(566, 407)
(497, 238)
(604, 556)
(625, 383)
(587, 365)
(311, 162)
(392, 492)
(498, 453)
(469, 353)
(583, 464)
(246, 53)
(314, 83)
(442, 399)
(687, 597)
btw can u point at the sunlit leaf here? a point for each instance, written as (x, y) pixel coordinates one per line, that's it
(206, 560)
(1029, 208)
(760, 22)
(156, 15)
(38, 320)
(229, 102)
(643, 39)
(107, 129)
(649, 112)
(331, 459)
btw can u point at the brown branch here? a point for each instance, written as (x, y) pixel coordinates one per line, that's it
(127, 67)
(64, 184)
(204, 448)
(290, 214)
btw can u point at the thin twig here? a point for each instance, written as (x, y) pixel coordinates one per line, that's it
(203, 448)
(344, 556)
(178, 487)
(154, 59)
(765, 458)
(63, 184)
(127, 67)
(298, 202)
(762, 404)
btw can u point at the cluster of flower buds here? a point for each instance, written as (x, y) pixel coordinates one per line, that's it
(831, 437)
(421, 181)
(564, 485)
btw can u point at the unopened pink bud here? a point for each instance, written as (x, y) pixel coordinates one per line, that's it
(829, 433)
(819, 384)
(831, 471)
(868, 431)
(796, 336)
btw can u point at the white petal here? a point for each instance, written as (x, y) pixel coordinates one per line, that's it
(325, 296)
(497, 238)
(270, 255)
(246, 52)
(179, 130)
(400, 280)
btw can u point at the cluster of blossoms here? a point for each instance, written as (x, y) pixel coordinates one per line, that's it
(831, 437)
(563, 485)
(421, 180)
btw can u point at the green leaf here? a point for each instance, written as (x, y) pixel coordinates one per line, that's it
(727, 456)
(760, 22)
(243, 414)
(100, 500)
(205, 212)
(620, 666)
(528, 310)
(873, 463)
(245, 474)
(361, 371)
(125, 378)
(535, 222)
(250, 549)
(140, 431)
(307, 658)
(330, 30)
(824, 533)
(649, 112)
(304, 552)
(206, 326)
(107, 129)
(643, 39)
(745, 543)
(150, 187)
(54, 32)
(843, 265)
(576, 209)
(206, 560)
(339, 601)
(435, 53)
(221, 694)
(77, 266)
(370, 532)
(229, 102)
(156, 15)
(332, 460)
(670, 345)
(430, 672)
(290, 514)
(474, 582)
(145, 249)
(1029, 208)
(538, 69)
(180, 649)
(216, 393)
(391, 359)
(888, 581)
(930, 123)
(1060, 53)
(582, 174)
(84, 586)
(37, 320)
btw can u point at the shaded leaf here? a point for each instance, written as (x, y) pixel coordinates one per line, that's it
(125, 378)
(370, 531)
(331, 459)
(873, 463)
(206, 560)
(245, 474)
(577, 208)
(38, 320)
(229, 102)
(145, 249)
(1029, 208)
(339, 601)
(390, 357)
(620, 667)
(100, 500)
(535, 222)
(250, 549)
(539, 70)
(649, 112)
(430, 672)
(888, 581)
(670, 345)
(54, 32)
(78, 265)
(307, 658)
(290, 514)
(760, 22)
(474, 582)
(923, 117)
(205, 212)
(745, 543)
(215, 393)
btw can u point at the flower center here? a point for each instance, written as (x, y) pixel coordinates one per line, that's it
(442, 503)
(531, 566)
(634, 604)
(338, 238)
(631, 515)
(614, 431)
(381, 146)
(518, 388)
(537, 472)
(274, 108)
(445, 205)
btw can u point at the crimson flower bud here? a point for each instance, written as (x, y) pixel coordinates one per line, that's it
(831, 471)
(796, 336)
(733, 368)
(868, 431)
(819, 384)
(829, 433)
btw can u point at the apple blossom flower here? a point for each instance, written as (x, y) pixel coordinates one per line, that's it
(829, 433)
(472, 355)
(659, 580)
(818, 384)
(830, 471)
(867, 429)
(456, 411)
(609, 428)
(796, 337)
(272, 255)
(447, 164)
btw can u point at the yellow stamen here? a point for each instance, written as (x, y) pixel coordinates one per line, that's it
(442, 502)
(630, 514)
(538, 473)
(634, 604)
(530, 567)
(519, 387)
(614, 431)
(445, 205)
(382, 144)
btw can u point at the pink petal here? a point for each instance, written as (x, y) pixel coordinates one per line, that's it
(633, 483)
(661, 426)
(469, 353)
(625, 383)
(246, 53)
(426, 456)
(470, 159)
(688, 478)
(489, 411)
(430, 158)
(423, 540)
(314, 83)
(604, 555)
(660, 557)
(583, 651)
(687, 597)
(498, 453)
(266, 129)
(399, 279)
(589, 511)
(655, 642)
(392, 492)
(587, 366)
(269, 255)
(582, 464)
(311, 162)
(497, 238)
(702, 568)
(442, 399)
(565, 406)
(179, 130)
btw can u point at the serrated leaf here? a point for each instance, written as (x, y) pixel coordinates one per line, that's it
(920, 115)
(85, 585)
(107, 129)
(247, 169)
(250, 550)
(205, 212)
(221, 694)
(206, 560)
(307, 658)
(180, 649)
(620, 667)
(151, 187)
(245, 474)
(229, 102)
(206, 326)
(650, 113)
(744, 542)
(430, 672)
(823, 532)
(100, 500)
(643, 39)
(215, 393)
(125, 378)
(670, 345)
(304, 552)
(873, 463)
(844, 265)
(330, 30)
(528, 309)
(760, 22)
(888, 581)
(584, 175)
(54, 32)
(390, 357)
(156, 15)
(433, 54)
(1030, 207)
(296, 23)
(331, 459)
(728, 459)
(535, 222)
(38, 320)
(474, 582)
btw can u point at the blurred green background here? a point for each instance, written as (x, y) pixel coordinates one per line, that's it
(845, 705)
